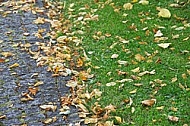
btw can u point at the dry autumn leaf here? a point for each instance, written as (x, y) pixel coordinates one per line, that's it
(164, 45)
(33, 91)
(173, 118)
(144, 2)
(38, 83)
(14, 65)
(128, 6)
(114, 56)
(165, 13)
(90, 120)
(49, 107)
(111, 84)
(139, 57)
(150, 102)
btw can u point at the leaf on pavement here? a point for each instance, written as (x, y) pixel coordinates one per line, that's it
(7, 54)
(49, 107)
(33, 91)
(38, 83)
(14, 65)
(2, 60)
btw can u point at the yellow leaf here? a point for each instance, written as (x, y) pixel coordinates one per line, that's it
(38, 83)
(118, 119)
(144, 2)
(39, 20)
(165, 13)
(14, 65)
(160, 108)
(136, 70)
(128, 6)
(139, 57)
(7, 54)
(133, 91)
(164, 45)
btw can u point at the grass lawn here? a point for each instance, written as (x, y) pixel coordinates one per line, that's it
(140, 60)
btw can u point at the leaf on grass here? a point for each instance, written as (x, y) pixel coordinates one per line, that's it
(14, 65)
(136, 70)
(150, 102)
(119, 120)
(133, 91)
(160, 108)
(144, 2)
(147, 72)
(132, 109)
(165, 13)
(122, 62)
(173, 118)
(49, 107)
(164, 45)
(128, 6)
(158, 34)
(174, 109)
(174, 79)
(114, 56)
(111, 84)
(139, 57)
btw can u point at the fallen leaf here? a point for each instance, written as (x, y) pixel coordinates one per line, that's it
(133, 91)
(173, 118)
(39, 20)
(111, 84)
(2, 60)
(121, 62)
(119, 120)
(14, 65)
(174, 109)
(128, 6)
(158, 34)
(144, 2)
(71, 83)
(38, 83)
(7, 54)
(33, 91)
(160, 108)
(114, 56)
(139, 57)
(136, 70)
(150, 102)
(165, 13)
(48, 107)
(2, 116)
(164, 45)
(174, 79)
(132, 109)
(48, 121)
(90, 120)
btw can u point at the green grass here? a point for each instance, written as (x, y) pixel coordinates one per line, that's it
(173, 62)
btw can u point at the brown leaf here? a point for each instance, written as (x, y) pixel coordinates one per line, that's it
(33, 91)
(139, 57)
(150, 102)
(173, 118)
(2, 60)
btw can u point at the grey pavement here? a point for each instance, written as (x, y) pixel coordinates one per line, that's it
(16, 81)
